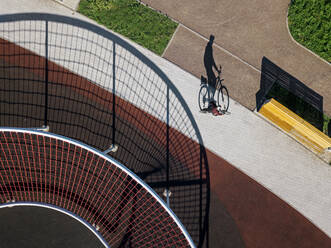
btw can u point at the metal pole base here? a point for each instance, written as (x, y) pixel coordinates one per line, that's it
(43, 128)
(167, 194)
(112, 148)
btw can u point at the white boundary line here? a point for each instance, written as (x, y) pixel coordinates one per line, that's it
(114, 162)
(64, 211)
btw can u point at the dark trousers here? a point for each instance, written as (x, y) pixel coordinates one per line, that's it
(212, 83)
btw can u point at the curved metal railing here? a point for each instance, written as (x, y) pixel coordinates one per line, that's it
(86, 83)
(53, 170)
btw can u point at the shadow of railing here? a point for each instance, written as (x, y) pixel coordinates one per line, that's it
(86, 83)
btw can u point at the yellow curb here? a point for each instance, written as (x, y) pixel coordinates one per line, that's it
(296, 127)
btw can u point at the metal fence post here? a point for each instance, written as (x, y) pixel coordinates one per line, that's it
(114, 92)
(167, 149)
(46, 75)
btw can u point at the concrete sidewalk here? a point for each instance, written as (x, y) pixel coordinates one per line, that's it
(245, 31)
(242, 138)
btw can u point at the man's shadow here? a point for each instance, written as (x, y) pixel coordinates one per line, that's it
(209, 62)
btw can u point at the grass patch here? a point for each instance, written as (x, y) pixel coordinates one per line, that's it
(300, 107)
(133, 20)
(310, 24)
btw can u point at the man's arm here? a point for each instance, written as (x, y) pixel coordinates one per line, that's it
(214, 64)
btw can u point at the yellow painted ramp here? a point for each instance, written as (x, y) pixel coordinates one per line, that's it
(297, 127)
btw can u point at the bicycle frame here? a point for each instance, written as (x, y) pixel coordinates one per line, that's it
(219, 83)
(211, 92)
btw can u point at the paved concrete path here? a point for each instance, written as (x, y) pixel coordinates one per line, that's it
(248, 30)
(242, 138)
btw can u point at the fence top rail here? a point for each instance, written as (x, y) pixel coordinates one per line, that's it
(113, 162)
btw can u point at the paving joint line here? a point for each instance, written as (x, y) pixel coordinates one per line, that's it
(180, 24)
(173, 36)
(223, 49)
(66, 6)
(201, 36)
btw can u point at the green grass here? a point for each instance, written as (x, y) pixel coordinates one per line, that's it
(133, 20)
(310, 24)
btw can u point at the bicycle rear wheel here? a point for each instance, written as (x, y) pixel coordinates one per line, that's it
(203, 98)
(223, 99)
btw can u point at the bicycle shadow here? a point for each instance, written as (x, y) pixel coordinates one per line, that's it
(213, 96)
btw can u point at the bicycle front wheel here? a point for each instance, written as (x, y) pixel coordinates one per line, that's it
(223, 99)
(203, 97)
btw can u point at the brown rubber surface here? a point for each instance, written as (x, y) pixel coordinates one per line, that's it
(248, 29)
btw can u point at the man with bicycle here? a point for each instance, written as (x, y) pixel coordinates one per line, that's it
(209, 63)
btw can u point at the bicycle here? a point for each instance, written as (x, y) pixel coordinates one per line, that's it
(220, 90)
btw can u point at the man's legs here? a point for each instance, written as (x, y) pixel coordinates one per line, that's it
(211, 84)
(212, 93)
